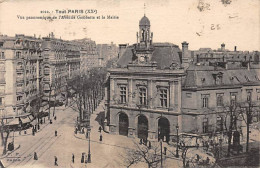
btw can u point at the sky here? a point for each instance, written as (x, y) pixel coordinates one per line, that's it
(202, 23)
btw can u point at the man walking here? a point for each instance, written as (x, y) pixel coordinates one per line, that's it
(55, 161)
(73, 157)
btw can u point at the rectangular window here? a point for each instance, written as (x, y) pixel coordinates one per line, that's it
(258, 94)
(163, 97)
(249, 95)
(233, 98)
(122, 94)
(205, 125)
(219, 124)
(205, 100)
(142, 96)
(220, 99)
(19, 98)
(18, 54)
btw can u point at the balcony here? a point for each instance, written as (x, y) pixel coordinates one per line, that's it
(19, 70)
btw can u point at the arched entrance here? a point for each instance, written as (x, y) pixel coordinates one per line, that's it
(142, 127)
(163, 129)
(123, 124)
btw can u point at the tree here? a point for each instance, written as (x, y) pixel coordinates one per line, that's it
(4, 139)
(89, 90)
(143, 154)
(232, 113)
(248, 110)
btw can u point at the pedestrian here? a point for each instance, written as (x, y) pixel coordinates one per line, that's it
(100, 137)
(33, 132)
(43, 120)
(100, 129)
(207, 160)
(38, 127)
(50, 121)
(73, 158)
(141, 142)
(207, 145)
(82, 158)
(55, 161)
(198, 157)
(35, 157)
(165, 149)
(55, 118)
(56, 133)
(149, 145)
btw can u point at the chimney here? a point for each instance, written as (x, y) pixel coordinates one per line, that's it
(223, 47)
(122, 48)
(235, 48)
(185, 54)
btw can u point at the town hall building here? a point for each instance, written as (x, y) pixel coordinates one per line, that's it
(144, 90)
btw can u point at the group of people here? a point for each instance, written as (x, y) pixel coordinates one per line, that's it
(144, 141)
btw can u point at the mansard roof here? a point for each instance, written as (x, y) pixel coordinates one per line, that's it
(164, 54)
(203, 77)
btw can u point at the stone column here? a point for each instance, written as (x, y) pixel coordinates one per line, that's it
(132, 125)
(176, 94)
(112, 90)
(171, 96)
(130, 92)
(152, 127)
(150, 94)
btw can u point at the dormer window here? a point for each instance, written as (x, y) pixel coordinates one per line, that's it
(247, 79)
(218, 78)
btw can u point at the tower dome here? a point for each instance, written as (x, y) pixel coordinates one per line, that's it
(144, 21)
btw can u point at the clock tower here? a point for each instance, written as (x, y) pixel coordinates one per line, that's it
(143, 48)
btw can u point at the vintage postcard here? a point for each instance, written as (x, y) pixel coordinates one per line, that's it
(129, 83)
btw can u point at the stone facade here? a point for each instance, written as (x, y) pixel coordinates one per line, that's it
(21, 66)
(205, 99)
(144, 92)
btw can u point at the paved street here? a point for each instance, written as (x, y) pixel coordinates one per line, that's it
(108, 153)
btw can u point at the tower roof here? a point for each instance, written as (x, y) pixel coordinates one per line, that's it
(144, 21)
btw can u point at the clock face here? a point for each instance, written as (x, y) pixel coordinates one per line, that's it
(142, 58)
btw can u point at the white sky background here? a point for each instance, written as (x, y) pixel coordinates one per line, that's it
(172, 21)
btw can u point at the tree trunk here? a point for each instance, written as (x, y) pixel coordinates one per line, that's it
(229, 141)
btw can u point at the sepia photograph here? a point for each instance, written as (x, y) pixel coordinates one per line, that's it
(129, 84)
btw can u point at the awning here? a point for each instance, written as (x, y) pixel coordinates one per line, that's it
(15, 121)
(25, 120)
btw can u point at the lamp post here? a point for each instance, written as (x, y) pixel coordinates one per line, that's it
(160, 139)
(177, 147)
(89, 153)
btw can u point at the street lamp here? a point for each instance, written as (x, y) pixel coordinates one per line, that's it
(159, 136)
(177, 147)
(89, 154)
